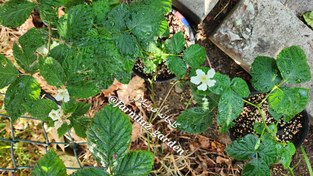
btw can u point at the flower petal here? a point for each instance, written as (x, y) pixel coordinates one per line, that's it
(202, 87)
(58, 97)
(210, 82)
(195, 80)
(200, 72)
(211, 73)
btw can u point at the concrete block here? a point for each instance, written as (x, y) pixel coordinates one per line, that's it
(196, 10)
(263, 28)
(298, 7)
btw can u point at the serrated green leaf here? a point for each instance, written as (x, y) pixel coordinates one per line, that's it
(80, 125)
(177, 66)
(25, 55)
(267, 150)
(14, 13)
(127, 45)
(176, 44)
(8, 72)
(164, 5)
(74, 25)
(109, 135)
(75, 108)
(100, 10)
(63, 129)
(135, 163)
(194, 55)
(41, 108)
(293, 66)
(194, 120)
(24, 91)
(288, 101)
(50, 164)
(286, 153)
(265, 74)
(229, 108)
(71, 3)
(222, 84)
(48, 10)
(240, 86)
(308, 18)
(243, 148)
(256, 167)
(90, 172)
(59, 52)
(52, 71)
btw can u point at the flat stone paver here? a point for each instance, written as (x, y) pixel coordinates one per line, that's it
(196, 10)
(298, 6)
(263, 28)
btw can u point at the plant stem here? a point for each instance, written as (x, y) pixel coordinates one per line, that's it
(291, 171)
(307, 161)
(49, 38)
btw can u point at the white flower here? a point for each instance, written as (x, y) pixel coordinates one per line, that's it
(56, 114)
(203, 79)
(62, 95)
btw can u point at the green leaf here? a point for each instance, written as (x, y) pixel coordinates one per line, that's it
(127, 45)
(117, 18)
(41, 108)
(288, 101)
(76, 23)
(229, 108)
(194, 120)
(59, 52)
(286, 153)
(176, 44)
(50, 164)
(100, 10)
(71, 3)
(80, 125)
(14, 13)
(164, 5)
(22, 92)
(240, 86)
(52, 71)
(194, 55)
(177, 66)
(265, 74)
(293, 66)
(75, 108)
(90, 171)
(48, 10)
(256, 167)
(25, 56)
(243, 148)
(109, 135)
(267, 150)
(222, 84)
(63, 129)
(135, 163)
(308, 18)
(8, 73)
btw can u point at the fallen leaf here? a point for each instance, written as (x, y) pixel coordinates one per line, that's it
(204, 142)
(134, 90)
(115, 86)
(136, 132)
(221, 160)
(194, 146)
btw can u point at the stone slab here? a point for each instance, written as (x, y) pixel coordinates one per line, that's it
(263, 28)
(297, 6)
(196, 10)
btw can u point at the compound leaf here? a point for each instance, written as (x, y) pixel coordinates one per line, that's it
(293, 66)
(14, 13)
(8, 73)
(135, 163)
(49, 164)
(109, 135)
(243, 148)
(177, 66)
(176, 44)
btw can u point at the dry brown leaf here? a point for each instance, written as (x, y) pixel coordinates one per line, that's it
(221, 160)
(115, 86)
(204, 142)
(134, 90)
(136, 132)
(194, 146)
(53, 135)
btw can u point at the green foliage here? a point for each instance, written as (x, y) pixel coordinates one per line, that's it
(288, 101)
(293, 65)
(8, 73)
(256, 167)
(229, 108)
(194, 120)
(48, 165)
(89, 172)
(177, 66)
(41, 108)
(265, 74)
(194, 56)
(222, 84)
(21, 94)
(64, 129)
(109, 135)
(14, 13)
(135, 163)
(176, 44)
(308, 18)
(48, 10)
(52, 71)
(240, 86)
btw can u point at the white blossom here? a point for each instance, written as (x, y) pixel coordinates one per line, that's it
(203, 80)
(56, 114)
(62, 95)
